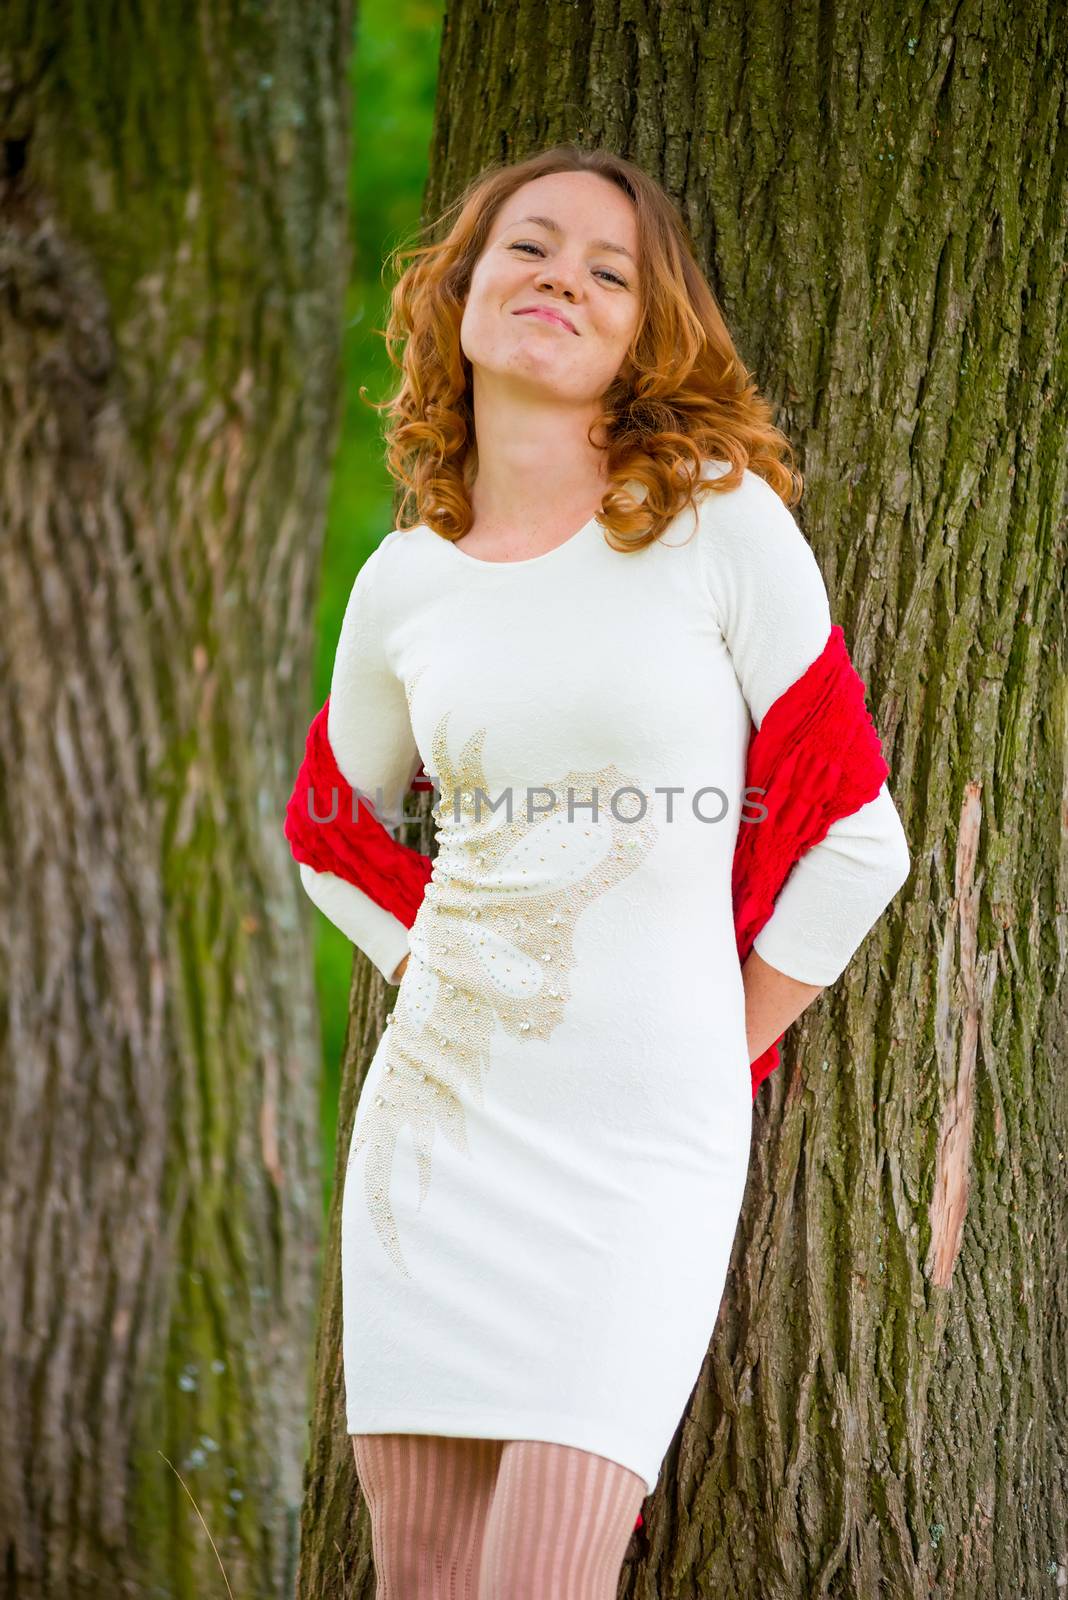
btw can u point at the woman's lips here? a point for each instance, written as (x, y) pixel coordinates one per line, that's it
(546, 316)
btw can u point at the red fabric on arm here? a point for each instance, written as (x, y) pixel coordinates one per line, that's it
(815, 758)
(361, 851)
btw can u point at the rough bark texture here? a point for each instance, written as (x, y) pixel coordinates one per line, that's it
(173, 255)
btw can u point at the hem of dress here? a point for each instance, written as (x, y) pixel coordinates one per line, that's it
(474, 1424)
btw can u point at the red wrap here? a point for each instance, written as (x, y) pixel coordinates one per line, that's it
(360, 851)
(817, 757)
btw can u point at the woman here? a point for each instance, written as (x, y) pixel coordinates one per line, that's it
(603, 597)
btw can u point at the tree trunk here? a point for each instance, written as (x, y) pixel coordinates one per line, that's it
(173, 256)
(884, 1403)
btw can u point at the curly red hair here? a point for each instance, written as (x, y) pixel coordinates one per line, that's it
(682, 394)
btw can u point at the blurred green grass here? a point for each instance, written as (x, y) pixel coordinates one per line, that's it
(393, 76)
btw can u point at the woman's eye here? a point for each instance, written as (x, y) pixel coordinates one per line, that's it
(526, 244)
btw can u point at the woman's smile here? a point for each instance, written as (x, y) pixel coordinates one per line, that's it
(543, 314)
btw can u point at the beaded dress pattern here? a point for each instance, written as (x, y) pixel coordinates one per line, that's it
(491, 946)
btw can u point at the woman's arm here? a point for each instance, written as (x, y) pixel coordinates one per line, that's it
(769, 598)
(370, 735)
(772, 1002)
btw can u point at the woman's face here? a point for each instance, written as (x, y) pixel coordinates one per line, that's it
(567, 269)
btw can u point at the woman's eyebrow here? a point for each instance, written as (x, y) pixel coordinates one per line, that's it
(554, 227)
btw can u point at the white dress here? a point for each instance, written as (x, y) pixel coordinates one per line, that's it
(550, 1147)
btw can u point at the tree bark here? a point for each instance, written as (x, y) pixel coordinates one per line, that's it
(173, 257)
(883, 1406)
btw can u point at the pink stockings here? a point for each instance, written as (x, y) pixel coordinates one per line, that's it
(494, 1519)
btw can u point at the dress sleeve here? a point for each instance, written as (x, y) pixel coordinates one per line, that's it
(771, 603)
(371, 737)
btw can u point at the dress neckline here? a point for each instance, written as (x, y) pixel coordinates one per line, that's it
(527, 561)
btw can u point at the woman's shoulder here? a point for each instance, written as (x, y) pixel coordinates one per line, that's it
(391, 539)
(407, 572)
(748, 519)
(394, 553)
(753, 551)
(751, 493)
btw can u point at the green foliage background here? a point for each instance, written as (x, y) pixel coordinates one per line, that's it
(393, 75)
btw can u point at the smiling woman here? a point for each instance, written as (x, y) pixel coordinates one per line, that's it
(566, 1083)
(590, 237)
(546, 328)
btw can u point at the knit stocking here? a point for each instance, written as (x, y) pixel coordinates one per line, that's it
(559, 1525)
(428, 1497)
